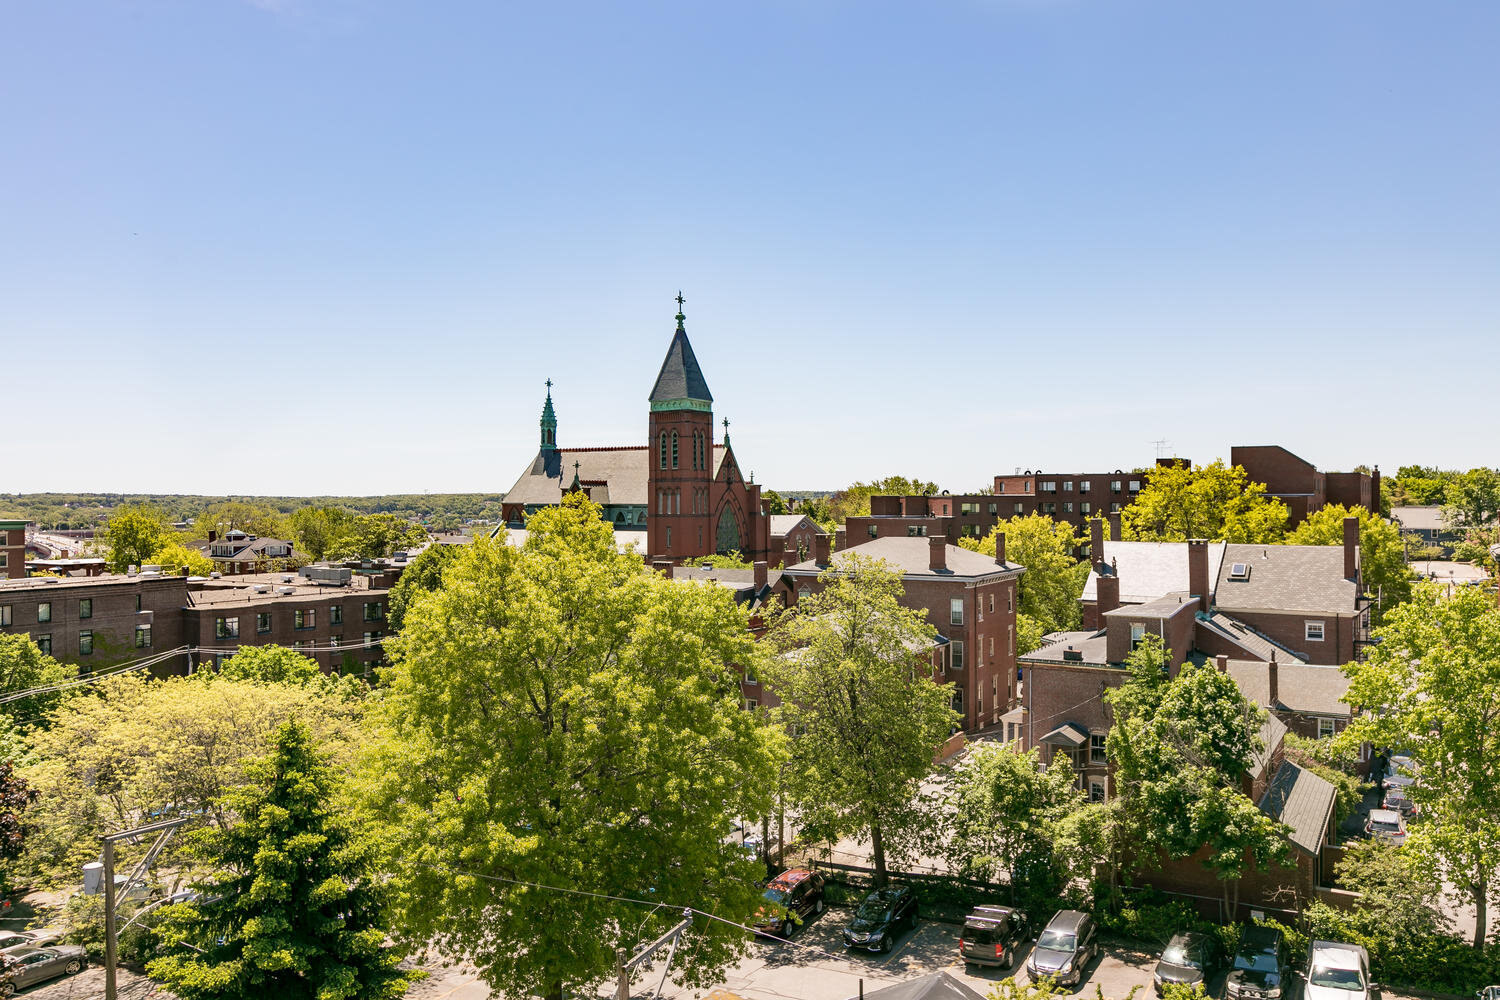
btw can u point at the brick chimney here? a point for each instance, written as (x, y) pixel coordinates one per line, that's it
(1000, 547)
(663, 566)
(820, 549)
(840, 538)
(1096, 540)
(1106, 591)
(1271, 679)
(937, 552)
(1198, 571)
(1114, 526)
(1222, 662)
(1351, 548)
(789, 557)
(762, 574)
(213, 536)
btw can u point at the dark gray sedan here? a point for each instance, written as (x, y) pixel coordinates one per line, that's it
(37, 965)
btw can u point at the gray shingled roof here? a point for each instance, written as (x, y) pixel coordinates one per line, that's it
(680, 377)
(1308, 578)
(1304, 802)
(1260, 646)
(623, 473)
(1300, 687)
(1149, 570)
(1419, 518)
(910, 557)
(783, 523)
(1092, 646)
(1272, 733)
(935, 986)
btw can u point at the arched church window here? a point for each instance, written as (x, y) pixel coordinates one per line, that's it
(663, 449)
(727, 537)
(674, 449)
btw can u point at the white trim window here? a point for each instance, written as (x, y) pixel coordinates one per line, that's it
(1327, 728)
(955, 611)
(1313, 631)
(1098, 790)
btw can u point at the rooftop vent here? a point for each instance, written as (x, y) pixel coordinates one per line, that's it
(262, 588)
(214, 575)
(1239, 571)
(1073, 655)
(286, 590)
(287, 578)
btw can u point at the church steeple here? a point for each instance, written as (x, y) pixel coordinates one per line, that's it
(680, 384)
(549, 422)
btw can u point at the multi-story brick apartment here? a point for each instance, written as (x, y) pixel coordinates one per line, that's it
(683, 488)
(12, 549)
(1298, 484)
(1279, 619)
(94, 622)
(970, 599)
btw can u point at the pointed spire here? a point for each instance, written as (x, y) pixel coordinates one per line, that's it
(577, 483)
(680, 384)
(726, 432)
(549, 422)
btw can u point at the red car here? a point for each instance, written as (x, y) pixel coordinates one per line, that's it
(790, 897)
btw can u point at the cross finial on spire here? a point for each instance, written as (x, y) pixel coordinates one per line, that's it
(575, 468)
(726, 426)
(680, 315)
(549, 387)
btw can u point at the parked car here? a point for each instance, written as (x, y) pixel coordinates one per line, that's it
(1397, 798)
(992, 935)
(880, 917)
(1188, 959)
(13, 940)
(1386, 824)
(1259, 971)
(1337, 971)
(790, 898)
(37, 965)
(1067, 944)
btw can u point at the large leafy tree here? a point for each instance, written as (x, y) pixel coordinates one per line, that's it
(1435, 678)
(561, 718)
(376, 535)
(133, 534)
(15, 796)
(854, 499)
(1382, 557)
(270, 665)
(1420, 485)
(173, 556)
(24, 667)
(1180, 747)
(1472, 499)
(1208, 501)
(257, 519)
(865, 717)
(425, 574)
(316, 530)
(136, 747)
(1054, 577)
(291, 904)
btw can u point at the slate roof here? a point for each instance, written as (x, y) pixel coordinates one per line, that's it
(783, 523)
(1259, 646)
(1271, 736)
(1149, 570)
(910, 556)
(1300, 687)
(1092, 646)
(1306, 578)
(680, 377)
(621, 475)
(935, 986)
(1304, 802)
(1419, 518)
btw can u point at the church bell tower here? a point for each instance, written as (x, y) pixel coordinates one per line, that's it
(679, 455)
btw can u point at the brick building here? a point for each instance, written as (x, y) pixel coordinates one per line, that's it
(970, 599)
(796, 532)
(237, 552)
(685, 489)
(94, 622)
(1298, 484)
(12, 549)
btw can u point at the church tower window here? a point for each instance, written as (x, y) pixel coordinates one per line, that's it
(663, 449)
(674, 449)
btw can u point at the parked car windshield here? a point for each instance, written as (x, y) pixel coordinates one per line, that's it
(1179, 953)
(1336, 979)
(1255, 961)
(777, 896)
(1057, 940)
(1384, 827)
(872, 909)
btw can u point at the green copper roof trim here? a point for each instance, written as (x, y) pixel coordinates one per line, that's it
(701, 405)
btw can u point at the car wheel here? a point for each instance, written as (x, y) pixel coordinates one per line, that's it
(786, 928)
(885, 944)
(1007, 959)
(7, 989)
(73, 968)
(818, 906)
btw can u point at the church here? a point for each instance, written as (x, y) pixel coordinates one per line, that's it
(681, 493)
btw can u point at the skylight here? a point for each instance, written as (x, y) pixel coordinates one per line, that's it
(1239, 571)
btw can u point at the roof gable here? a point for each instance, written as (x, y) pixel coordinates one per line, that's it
(1304, 802)
(680, 377)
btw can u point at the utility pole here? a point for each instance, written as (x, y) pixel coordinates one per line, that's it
(164, 831)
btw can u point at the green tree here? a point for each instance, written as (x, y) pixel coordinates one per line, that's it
(24, 667)
(270, 665)
(1435, 675)
(133, 535)
(775, 502)
(1420, 485)
(1054, 577)
(1004, 812)
(1214, 501)
(1029, 634)
(424, 575)
(293, 905)
(259, 519)
(1179, 747)
(1400, 893)
(559, 715)
(1472, 500)
(15, 795)
(854, 499)
(317, 530)
(374, 536)
(865, 717)
(173, 555)
(1382, 557)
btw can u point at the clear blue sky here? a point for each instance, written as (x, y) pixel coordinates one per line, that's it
(335, 246)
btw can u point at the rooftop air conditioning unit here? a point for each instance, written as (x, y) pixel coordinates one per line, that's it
(286, 590)
(287, 578)
(262, 588)
(151, 569)
(214, 575)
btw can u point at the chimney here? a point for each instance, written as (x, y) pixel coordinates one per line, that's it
(1351, 547)
(1271, 680)
(1114, 526)
(1198, 571)
(840, 538)
(1222, 662)
(789, 557)
(213, 536)
(1106, 592)
(187, 571)
(762, 574)
(1000, 547)
(937, 552)
(663, 566)
(820, 547)
(1096, 540)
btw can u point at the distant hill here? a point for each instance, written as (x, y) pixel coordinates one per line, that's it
(88, 510)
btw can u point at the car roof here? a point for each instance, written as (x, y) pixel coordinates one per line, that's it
(1260, 936)
(1384, 815)
(889, 892)
(1187, 937)
(990, 913)
(1067, 920)
(787, 879)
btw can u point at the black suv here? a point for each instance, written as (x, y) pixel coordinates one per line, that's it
(992, 935)
(1188, 959)
(880, 916)
(1067, 944)
(790, 897)
(1260, 966)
